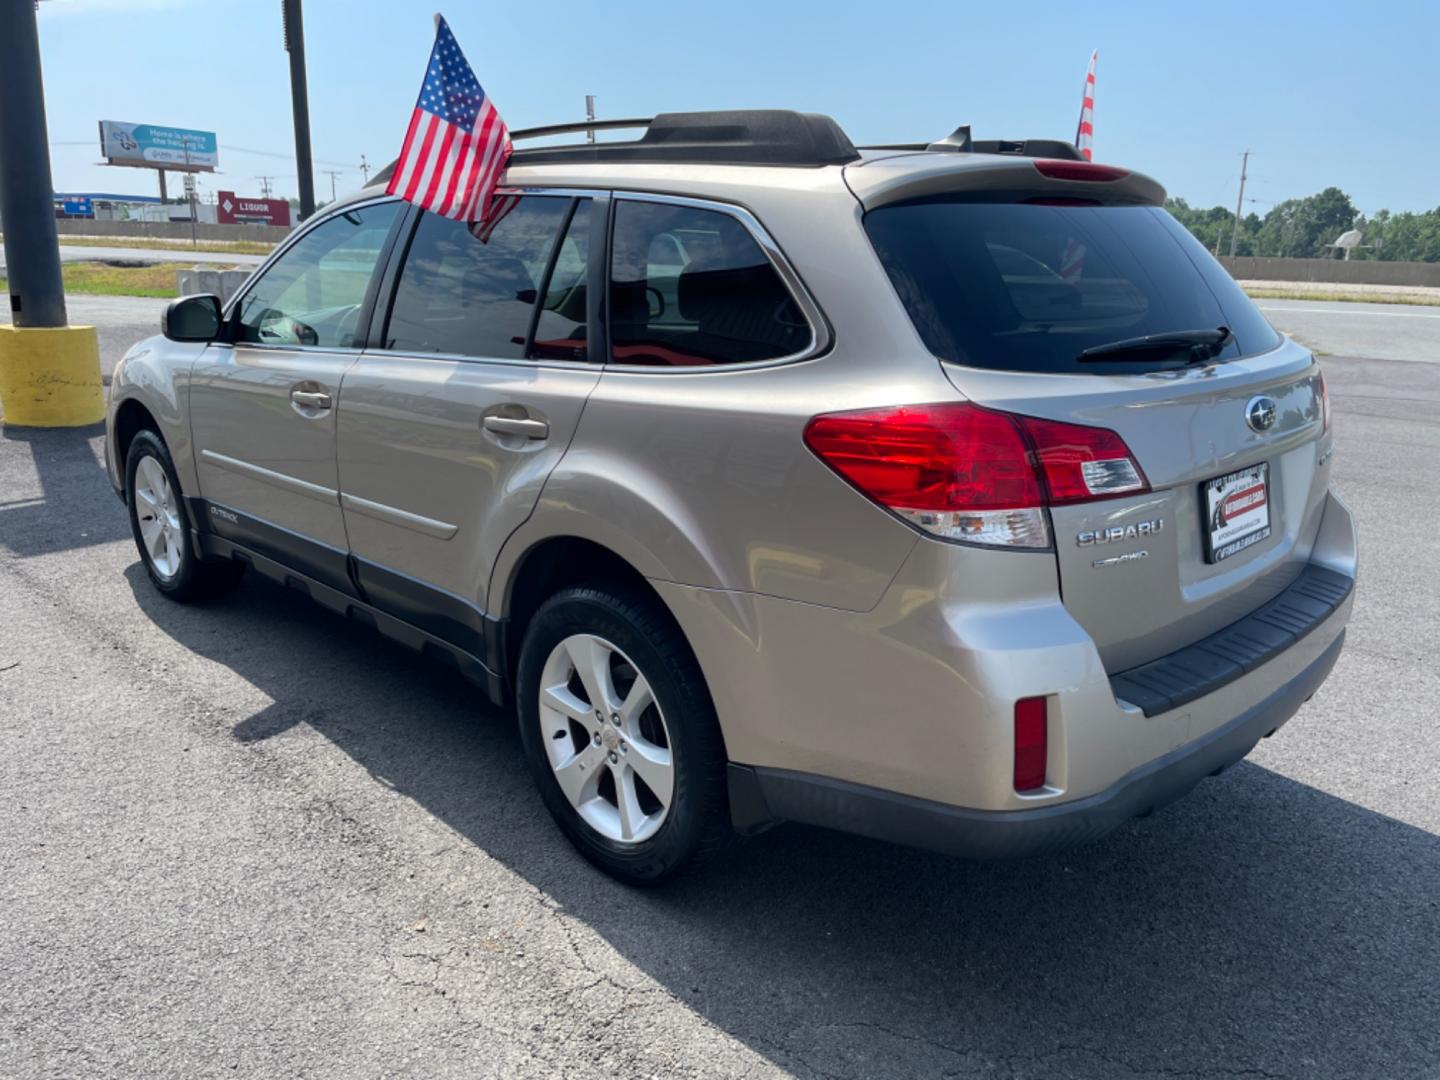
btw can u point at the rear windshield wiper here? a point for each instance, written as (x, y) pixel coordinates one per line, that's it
(1203, 345)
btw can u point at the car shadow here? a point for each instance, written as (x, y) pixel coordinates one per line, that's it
(68, 465)
(1260, 927)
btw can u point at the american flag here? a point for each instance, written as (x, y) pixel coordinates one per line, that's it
(457, 145)
(1085, 133)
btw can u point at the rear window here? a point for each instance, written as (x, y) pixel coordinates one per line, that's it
(1028, 286)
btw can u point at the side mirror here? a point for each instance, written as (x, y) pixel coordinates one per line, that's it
(192, 318)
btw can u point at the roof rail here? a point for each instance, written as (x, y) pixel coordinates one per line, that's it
(960, 142)
(721, 137)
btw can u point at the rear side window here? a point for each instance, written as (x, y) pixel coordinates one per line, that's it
(691, 288)
(1029, 286)
(471, 290)
(560, 328)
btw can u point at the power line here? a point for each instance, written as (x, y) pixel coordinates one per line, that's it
(230, 149)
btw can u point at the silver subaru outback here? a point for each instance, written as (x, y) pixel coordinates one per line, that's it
(947, 493)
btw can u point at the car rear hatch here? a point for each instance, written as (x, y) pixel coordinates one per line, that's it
(1063, 291)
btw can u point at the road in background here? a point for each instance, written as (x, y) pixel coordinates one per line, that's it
(254, 839)
(1378, 331)
(180, 253)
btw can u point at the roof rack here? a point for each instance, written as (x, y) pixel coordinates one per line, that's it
(960, 142)
(722, 137)
(743, 137)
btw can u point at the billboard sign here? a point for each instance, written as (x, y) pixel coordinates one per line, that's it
(149, 146)
(232, 209)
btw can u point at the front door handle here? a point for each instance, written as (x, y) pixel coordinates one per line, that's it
(515, 425)
(311, 399)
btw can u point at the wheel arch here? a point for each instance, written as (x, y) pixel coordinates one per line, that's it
(549, 565)
(131, 417)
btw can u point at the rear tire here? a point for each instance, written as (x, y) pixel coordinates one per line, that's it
(637, 784)
(162, 528)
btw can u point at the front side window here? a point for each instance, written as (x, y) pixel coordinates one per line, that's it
(312, 294)
(472, 290)
(691, 287)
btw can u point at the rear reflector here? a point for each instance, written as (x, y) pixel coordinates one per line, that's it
(963, 472)
(1057, 169)
(1030, 743)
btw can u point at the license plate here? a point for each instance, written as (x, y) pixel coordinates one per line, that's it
(1237, 511)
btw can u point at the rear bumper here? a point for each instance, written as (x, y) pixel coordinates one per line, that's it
(762, 794)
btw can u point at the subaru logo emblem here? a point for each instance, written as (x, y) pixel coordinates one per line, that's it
(1260, 413)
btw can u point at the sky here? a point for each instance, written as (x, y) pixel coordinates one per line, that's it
(1322, 92)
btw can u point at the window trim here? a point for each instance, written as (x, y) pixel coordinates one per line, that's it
(372, 289)
(820, 336)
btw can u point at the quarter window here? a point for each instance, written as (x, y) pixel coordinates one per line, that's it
(313, 293)
(691, 287)
(472, 290)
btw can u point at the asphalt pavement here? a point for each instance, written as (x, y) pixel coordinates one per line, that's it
(252, 839)
(1378, 331)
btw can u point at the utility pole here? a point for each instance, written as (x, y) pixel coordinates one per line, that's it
(590, 116)
(49, 370)
(364, 171)
(300, 102)
(332, 173)
(264, 186)
(1239, 202)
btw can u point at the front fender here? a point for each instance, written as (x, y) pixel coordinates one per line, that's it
(155, 373)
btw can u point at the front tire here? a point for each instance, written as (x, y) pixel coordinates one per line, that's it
(620, 734)
(161, 526)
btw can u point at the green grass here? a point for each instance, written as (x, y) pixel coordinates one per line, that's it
(1341, 294)
(99, 279)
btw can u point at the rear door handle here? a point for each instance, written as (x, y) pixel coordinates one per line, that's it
(310, 399)
(514, 425)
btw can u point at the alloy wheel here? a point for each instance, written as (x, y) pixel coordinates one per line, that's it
(606, 739)
(158, 517)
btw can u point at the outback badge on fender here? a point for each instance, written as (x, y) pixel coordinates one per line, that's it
(1118, 533)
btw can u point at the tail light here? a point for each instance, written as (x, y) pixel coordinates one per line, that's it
(1031, 743)
(1324, 405)
(1058, 169)
(963, 472)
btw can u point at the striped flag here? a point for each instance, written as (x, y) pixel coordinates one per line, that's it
(457, 145)
(1085, 133)
(500, 205)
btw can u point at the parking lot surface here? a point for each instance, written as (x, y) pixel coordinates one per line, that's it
(252, 839)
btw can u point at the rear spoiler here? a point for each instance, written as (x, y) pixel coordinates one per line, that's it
(878, 182)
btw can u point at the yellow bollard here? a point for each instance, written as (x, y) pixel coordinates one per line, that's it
(50, 376)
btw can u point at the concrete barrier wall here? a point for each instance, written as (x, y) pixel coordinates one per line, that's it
(208, 279)
(1333, 271)
(173, 230)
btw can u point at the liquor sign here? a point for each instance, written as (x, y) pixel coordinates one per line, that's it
(149, 146)
(232, 209)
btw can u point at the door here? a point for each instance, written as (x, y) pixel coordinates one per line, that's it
(448, 428)
(262, 404)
